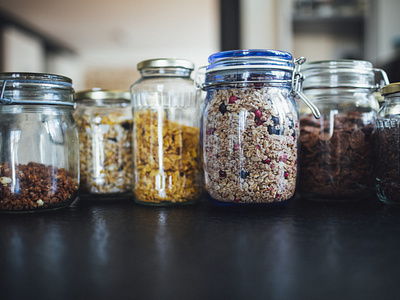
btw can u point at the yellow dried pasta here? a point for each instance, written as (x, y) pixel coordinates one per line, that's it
(166, 160)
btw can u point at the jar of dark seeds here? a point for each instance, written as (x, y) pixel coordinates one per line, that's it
(104, 120)
(39, 150)
(250, 127)
(388, 146)
(337, 151)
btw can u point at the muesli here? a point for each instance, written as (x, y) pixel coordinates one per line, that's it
(105, 143)
(166, 160)
(250, 145)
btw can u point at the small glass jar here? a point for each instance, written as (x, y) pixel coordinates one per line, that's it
(250, 127)
(336, 155)
(39, 146)
(166, 114)
(104, 120)
(388, 146)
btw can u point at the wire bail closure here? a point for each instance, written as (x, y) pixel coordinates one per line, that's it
(297, 85)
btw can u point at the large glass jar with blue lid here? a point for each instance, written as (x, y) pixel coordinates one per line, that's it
(250, 127)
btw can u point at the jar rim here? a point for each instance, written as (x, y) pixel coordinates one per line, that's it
(338, 64)
(99, 94)
(250, 59)
(223, 55)
(35, 89)
(391, 88)
(52, 78)
(165, 63)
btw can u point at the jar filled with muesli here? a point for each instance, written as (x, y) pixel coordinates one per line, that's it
(388, 146)
(166, 114)
(104, 120)
(337, 151)
(39, 146)
(250, 127)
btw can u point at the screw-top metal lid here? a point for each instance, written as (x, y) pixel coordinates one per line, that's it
(165, 63)
(99, 94)
(391, 88)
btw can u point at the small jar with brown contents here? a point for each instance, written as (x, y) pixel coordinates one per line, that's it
(39, 150)
(104, 120)
(166, 134)
(337, 151)
(388, 146)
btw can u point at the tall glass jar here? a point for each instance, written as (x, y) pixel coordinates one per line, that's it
(336, 156)
(388, 146)
(166, 114)
(39, 150)
(104, 119)
(250, 127)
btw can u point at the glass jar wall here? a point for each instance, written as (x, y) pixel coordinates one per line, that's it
(388, 146)
(337, 151)
(104, 119)
(39, 151)
(250, 128)
(166, 114)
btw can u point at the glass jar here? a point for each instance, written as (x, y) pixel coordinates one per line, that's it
(39, 150)
(250, 127)
(104, 120)
(166, 114)
(336, 154)
(388, 146)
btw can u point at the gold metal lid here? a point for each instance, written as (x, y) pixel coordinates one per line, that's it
(391, 88)
(99, 94)
(165, 63)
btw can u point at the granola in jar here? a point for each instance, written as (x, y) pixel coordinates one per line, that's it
(104, 121)
(35, 187)
(39, 157)
(250, 146)
(166, 160)
(250, 127)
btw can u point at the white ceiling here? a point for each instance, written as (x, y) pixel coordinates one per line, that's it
(97, 28)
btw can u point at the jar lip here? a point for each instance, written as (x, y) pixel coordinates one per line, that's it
(249, 53)
(165, 63)
(391, 88)
(250, 59)
(99, 94)
(51, 78)
(338, 64)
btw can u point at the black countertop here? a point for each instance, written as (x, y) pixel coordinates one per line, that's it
(122, 250)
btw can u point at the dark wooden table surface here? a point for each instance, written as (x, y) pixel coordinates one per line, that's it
(121, 250)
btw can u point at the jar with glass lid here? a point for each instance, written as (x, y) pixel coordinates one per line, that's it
(337, 151)
(388, 146)
(250, 127)
(104, 120)
(166, 114)
(39, 146)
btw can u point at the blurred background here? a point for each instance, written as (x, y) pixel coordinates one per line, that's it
(98, 43)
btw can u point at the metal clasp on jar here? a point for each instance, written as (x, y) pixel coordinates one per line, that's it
(297, 87)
